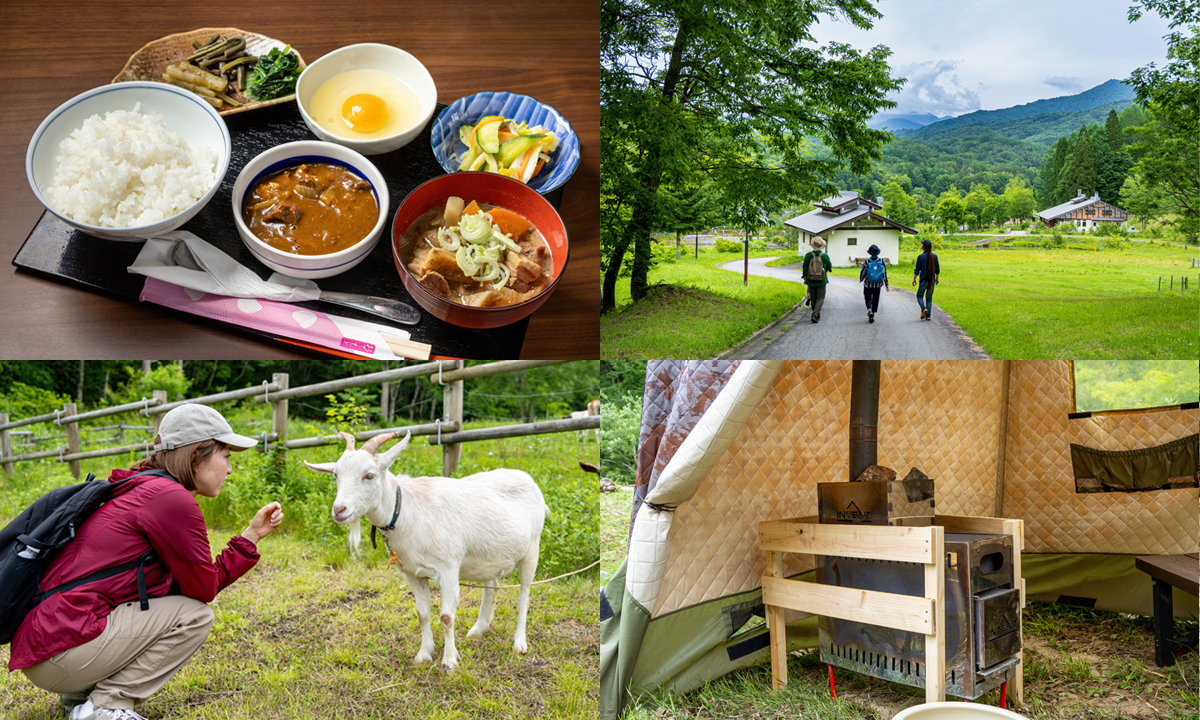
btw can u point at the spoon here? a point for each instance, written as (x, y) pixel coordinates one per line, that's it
(391, 309)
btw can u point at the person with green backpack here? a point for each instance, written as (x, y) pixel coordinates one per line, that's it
(816, 276)
(873, 276)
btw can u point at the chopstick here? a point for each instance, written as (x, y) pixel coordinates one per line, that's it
(407, 348)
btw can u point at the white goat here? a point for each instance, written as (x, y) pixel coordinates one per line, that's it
(472, 529)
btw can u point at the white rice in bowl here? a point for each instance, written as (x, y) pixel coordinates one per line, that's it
(128, 170)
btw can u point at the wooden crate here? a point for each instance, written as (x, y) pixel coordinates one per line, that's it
(923, 545)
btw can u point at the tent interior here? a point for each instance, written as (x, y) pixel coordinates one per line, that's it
(725, 445)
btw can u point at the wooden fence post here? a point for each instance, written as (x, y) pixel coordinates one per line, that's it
(6, 445)
(160, 396)
(452, 411)
(279, 412)
(72, 438)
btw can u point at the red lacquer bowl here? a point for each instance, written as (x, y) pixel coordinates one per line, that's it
(495, 190)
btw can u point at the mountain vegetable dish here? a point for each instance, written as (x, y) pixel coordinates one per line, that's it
(311, 209)
(477, 255)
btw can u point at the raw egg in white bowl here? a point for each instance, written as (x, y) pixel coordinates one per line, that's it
(364, 104)
(369, 97)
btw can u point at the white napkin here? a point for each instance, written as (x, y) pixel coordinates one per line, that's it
(219, 274)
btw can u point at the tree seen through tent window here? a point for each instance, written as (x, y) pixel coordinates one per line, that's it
(1132, 384)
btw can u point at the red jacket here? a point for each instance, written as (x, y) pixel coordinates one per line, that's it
(147, 512)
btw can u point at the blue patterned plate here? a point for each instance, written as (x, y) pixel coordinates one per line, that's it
(465, 111)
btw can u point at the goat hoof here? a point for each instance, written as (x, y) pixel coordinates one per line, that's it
(521, 646)
(475, 631)
(423, 657)
(449, 663)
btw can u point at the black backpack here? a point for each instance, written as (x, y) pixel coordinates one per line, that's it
(30, 543)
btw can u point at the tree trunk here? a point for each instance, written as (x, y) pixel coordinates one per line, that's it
(79, 386)
(642, 218)
(676, 244)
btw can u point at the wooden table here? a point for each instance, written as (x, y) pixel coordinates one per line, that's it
(53, 50)
(1168, 571)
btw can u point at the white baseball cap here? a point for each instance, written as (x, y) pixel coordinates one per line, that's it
(192, 423)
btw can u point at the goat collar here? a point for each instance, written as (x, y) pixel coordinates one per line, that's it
(392, 524)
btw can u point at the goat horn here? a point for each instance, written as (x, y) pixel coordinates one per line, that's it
(349, 441)
(372, 446)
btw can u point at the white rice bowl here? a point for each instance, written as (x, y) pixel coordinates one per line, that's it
(128, 170)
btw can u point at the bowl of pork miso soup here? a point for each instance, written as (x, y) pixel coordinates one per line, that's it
(478, 250)
(310, 209)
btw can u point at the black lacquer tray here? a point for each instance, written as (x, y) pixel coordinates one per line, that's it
(58, 251)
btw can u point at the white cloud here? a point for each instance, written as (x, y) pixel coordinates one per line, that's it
(1064, 83)
(934, 87)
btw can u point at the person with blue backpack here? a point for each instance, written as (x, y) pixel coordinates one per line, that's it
(873, 276)
(122, 603)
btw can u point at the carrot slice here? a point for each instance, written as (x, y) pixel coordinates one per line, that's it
(471, 209)
(538, 169)
(509, 222)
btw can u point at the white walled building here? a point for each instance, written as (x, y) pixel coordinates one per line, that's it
(850, 224)
(1085, 213)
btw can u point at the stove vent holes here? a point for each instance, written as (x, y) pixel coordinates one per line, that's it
(878, 660)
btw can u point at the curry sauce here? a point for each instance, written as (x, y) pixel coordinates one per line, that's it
(311, 209)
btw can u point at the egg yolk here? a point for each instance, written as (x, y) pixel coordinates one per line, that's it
(364, 112)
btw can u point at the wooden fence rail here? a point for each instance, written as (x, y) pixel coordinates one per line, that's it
(446, 431)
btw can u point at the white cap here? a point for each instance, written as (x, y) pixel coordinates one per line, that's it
(192, 423)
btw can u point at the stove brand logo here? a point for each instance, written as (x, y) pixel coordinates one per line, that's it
(853, 513)
(1003, 626)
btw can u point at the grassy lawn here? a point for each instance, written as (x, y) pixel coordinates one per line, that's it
(1080, 664)
(694, 310)
(1016, 302)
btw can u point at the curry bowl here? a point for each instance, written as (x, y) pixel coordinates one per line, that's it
(135, 155)
(491, 190)
(302, 264)
(370, 69)
(448, 146)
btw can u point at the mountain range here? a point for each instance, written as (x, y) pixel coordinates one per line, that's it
(1041, 122)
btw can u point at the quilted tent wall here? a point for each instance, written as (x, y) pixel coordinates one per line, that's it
(943, 418)
(1040, 487)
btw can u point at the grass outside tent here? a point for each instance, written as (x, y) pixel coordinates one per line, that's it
(1026, 302)
(312, 633)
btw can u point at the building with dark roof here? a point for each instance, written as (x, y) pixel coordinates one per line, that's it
(850, 224)
(1085, 213)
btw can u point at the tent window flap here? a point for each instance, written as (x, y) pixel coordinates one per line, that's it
(1171, 465)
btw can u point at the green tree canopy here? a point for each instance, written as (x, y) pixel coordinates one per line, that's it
(724, 92)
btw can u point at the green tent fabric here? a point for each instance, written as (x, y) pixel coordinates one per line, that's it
(1137, 469)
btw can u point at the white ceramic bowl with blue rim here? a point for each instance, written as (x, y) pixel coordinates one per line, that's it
(467, 111)
(369, 56)
(291, 154)
(184, 113)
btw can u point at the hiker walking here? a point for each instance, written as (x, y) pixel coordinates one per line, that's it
(110, 643)
(873, 276)
(816, 276)
(927, 271)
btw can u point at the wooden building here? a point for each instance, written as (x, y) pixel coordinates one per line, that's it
(1085, 213)
(850, 225)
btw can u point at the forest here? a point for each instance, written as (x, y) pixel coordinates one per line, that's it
(30, 388)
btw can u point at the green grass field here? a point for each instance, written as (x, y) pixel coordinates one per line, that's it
(693, 310)
(1017, 303)
(314, 633)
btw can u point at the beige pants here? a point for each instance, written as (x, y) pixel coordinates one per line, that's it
(138, 652)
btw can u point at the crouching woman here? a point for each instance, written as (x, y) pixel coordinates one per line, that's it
(96, 644)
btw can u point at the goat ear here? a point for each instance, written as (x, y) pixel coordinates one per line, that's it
(321, 467)
(388, 457)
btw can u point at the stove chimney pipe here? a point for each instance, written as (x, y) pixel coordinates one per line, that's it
(864, 416)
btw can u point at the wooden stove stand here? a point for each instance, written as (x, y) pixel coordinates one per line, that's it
(923, 545)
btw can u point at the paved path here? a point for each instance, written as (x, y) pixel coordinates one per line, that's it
(898, 332)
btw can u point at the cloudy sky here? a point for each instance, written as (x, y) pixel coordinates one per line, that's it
(965, 55)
